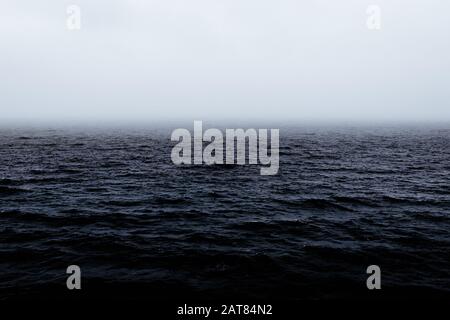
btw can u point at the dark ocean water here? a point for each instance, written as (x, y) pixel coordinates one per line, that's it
(112, 202)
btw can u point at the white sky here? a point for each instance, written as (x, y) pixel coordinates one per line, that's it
(225, 59)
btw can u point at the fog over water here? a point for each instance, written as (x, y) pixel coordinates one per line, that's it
(256, 60)
(88, 176)
(142, 227)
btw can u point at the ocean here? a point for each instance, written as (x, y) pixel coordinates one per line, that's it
(112, 202)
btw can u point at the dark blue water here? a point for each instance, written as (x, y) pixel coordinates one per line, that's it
(112, 202)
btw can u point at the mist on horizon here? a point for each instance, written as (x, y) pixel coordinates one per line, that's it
(173, 60)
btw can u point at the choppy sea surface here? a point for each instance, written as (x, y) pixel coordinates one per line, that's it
(112, 202)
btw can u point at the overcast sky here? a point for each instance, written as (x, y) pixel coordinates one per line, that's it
(225, 59)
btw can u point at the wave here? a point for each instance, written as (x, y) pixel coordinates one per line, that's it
(73, 217)
(415, 202)
(312, 204)
(9, 182)
(356, 201)
(11, 190)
